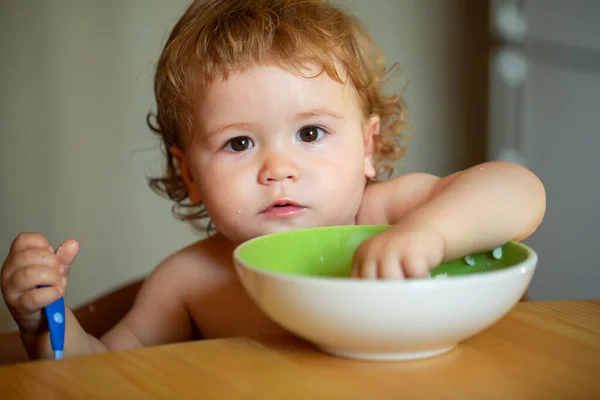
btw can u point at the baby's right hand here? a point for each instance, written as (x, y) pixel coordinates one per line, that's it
(30, 264)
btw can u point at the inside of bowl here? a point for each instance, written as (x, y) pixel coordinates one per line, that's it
(328, 252)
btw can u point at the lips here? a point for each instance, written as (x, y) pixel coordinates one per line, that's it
(283, 208)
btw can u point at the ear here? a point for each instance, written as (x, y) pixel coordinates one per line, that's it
(370, 129)
(186, 174)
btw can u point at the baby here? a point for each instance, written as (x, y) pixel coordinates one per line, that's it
(273, 117)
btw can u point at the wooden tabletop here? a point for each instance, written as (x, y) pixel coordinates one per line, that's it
(541, 350)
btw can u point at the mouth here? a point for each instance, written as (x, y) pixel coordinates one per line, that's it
(283, 208)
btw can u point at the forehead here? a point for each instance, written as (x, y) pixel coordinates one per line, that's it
(264, 89)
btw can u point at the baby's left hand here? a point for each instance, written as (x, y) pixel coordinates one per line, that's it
(399, 252)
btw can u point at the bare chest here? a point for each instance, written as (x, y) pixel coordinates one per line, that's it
(224, 309)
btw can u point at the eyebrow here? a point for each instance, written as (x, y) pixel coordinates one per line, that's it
(242, 126)
(319, 112)
(246, 126)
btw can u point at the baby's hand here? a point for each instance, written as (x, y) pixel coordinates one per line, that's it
(30, 264)
(399, 252)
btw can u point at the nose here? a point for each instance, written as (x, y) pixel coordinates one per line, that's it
(277, 168)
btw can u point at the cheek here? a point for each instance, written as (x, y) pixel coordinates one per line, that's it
(347, 159)
(224, 187)
(341, 173)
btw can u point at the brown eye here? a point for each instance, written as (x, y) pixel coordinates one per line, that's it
(310, 134)
(239, 143)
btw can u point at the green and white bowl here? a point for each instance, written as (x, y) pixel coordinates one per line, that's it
(301, 280)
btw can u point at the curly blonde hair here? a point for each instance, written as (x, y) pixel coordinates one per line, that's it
(214, 38)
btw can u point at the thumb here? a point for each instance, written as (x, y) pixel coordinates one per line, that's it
(67, 252)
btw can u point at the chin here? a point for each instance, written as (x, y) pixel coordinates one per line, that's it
(276, 226)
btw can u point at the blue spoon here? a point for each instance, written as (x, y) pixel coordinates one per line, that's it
(55, 314)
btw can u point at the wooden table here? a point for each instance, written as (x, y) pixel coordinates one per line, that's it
(541, 350)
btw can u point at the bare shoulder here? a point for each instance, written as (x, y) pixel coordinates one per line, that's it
(386, 202)
(195, 264)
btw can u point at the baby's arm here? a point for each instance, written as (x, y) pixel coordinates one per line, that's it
(474, 210)
(158, 316)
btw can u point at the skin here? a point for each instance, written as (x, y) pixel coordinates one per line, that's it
(272, 135)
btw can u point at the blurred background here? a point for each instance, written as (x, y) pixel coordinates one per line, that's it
(515, 80)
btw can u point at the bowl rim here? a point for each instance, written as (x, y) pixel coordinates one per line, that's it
(526, 266)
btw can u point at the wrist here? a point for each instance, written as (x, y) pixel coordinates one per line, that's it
(427, 230)
(36, 343)
(419, 223)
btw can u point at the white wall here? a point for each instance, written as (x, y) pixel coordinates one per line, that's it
(75, 81)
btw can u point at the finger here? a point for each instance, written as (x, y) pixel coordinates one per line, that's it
(356, 263)
(354, 271)
(67, 252)
(29, 256)
(368, 269)
(32, 276)
(35, 300)
(390, 268)
(28, 240)
(357, 259)
(415, 267)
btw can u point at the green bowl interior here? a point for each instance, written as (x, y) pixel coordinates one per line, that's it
(328, 251)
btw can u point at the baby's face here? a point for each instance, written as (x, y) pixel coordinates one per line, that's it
(274, 151)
